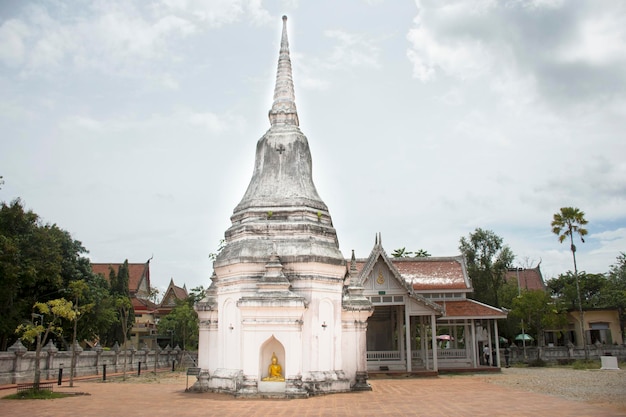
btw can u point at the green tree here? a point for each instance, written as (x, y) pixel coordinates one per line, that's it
(182, 322)
(95, 323)
(539, 311)
(565, 224)
(421, 253)
(78, 290)
(615, 293)
(591, 286)
(488, 260)
(120, 332)
(49, 319)
(37, 261)
(220, 247)
(124, 308)
(401, 253)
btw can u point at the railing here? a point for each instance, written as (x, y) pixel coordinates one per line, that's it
(395, 355)
(383, 355)
(450, 353)
(47, 386)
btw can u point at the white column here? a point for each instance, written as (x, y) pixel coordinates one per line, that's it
(489, 344)
(474, 344)
(433, 321)
(407, 326)
(495, 327)
(423, 345)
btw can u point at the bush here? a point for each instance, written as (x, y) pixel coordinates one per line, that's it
(537, 363)
(586, 364)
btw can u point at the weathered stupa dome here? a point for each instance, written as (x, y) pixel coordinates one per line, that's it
(281, 210)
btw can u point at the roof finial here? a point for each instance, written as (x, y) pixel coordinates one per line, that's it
(284, 107)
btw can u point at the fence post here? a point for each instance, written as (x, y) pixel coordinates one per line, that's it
(104, 372)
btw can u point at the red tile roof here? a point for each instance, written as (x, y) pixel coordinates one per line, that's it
(529, 279)
(141, 306)
(465, 309)
(431, 273)
(135, 271)
(172, 294)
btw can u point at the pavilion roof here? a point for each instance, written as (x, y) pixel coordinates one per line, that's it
(470, 309)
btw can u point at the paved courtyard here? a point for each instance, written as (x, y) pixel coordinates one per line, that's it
(437, 396)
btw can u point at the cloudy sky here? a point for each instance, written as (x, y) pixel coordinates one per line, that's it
(133, 124)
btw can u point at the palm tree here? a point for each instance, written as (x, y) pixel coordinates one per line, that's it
(566, 223)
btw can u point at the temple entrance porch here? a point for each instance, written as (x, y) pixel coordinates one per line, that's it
(394, 346)
(433, 343)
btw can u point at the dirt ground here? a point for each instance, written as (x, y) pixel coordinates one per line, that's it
(520, 392)
(593, 386)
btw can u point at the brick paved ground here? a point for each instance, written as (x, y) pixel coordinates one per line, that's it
(449, 396)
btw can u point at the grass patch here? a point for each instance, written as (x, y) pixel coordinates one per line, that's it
(537, 363)
(42, 394)
(586, 364)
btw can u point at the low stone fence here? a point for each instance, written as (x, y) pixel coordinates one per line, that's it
(17, 365)
(563, 354)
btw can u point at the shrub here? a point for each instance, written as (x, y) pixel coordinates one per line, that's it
(586, 364)
(537, 363)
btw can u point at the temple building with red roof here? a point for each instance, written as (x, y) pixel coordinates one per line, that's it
(147, 312)
(423, 318)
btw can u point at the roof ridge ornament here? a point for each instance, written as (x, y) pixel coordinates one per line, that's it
(283, 109)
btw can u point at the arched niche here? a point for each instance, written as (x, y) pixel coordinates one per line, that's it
(269, 347)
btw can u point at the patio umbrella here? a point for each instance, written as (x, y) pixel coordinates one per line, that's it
(524, 336)
(503, 340)
(445, 337)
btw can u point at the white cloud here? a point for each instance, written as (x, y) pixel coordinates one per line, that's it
(178, 120)
(12, 38)
(601, 40)
(461, 57)
(352, 50)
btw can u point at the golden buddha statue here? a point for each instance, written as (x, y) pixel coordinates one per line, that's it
(274, 371)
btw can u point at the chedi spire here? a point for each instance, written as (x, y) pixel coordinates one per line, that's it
(284, 106)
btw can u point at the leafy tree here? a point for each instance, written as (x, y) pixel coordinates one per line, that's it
(220, 247)
(565, 224)
(488, 260)
(96, 323)
(421, 253)
(50, 315)
(78, 290)
(37, 261)
(125, 310)
(122, 304)
(153, 295)
(401, 253)
(182, 322)
(539, 311)
(615, 290)
(591, 287)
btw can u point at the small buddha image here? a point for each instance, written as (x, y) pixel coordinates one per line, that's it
(274, 371)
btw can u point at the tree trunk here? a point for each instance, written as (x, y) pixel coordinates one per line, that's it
(37, 364)
(73, 360)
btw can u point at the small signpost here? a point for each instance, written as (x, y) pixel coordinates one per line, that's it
(194, 372)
